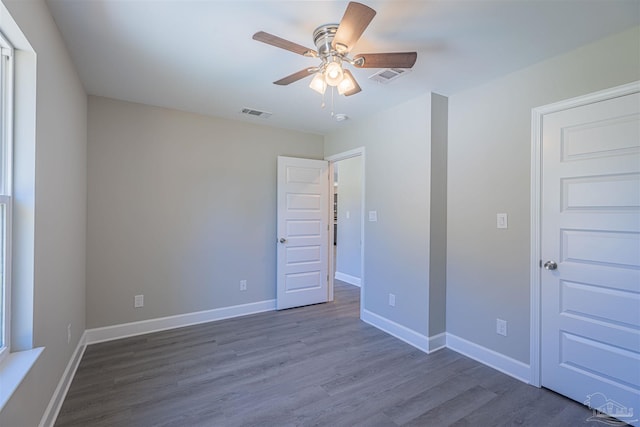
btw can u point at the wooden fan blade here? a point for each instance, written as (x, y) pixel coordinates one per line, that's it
(276, 41)
(294, 77)
(356, 89)
(355, 20)
(386, 60)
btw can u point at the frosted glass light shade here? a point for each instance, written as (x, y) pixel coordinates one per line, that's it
(333, 74)
(318, 84)
(347, 84)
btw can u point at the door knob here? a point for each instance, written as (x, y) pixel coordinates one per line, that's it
(283, 240)
(550, 265)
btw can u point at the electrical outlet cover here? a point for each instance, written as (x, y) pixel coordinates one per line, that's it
(501, 327)
(138, 301)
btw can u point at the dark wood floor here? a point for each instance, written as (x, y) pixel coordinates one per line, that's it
(311, 366)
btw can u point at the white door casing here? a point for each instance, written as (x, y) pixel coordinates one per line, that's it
(302, 232)
(590, 228)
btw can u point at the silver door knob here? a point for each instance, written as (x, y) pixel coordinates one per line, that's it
(283, 240)
(550, 265)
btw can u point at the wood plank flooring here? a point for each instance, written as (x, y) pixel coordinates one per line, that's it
(312, 366)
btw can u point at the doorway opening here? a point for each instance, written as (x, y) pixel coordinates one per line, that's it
(346, 258)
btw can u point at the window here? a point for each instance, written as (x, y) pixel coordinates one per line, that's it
(6, 162)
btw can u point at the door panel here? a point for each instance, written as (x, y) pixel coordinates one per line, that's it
(591, 229)
(303, 213)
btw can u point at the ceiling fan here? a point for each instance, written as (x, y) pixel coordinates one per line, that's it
(334, 43)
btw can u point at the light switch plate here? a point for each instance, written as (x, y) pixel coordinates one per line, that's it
(373, 216)
(501, 220)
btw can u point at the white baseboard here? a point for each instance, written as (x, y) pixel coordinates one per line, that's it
(437, 342)
(125, 330)
(352, 280)
(500, 362)
(419, 341)
(491, 358)
(55, 404)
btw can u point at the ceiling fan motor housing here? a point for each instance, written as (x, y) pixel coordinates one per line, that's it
(323, 38)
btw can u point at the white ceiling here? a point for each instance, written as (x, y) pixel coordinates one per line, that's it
(199, 56)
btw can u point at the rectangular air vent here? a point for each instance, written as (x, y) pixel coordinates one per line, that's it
(389, 74)
(256, 113)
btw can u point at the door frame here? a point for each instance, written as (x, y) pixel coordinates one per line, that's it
(356, 152)
(537, 119)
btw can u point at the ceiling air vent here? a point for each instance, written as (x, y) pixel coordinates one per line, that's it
(256, 113)
(389, 74)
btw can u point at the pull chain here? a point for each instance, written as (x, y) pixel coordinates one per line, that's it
(332, 101)
(323, 104)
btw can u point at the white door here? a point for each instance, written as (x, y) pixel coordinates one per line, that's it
(303, 221)
(590, 233)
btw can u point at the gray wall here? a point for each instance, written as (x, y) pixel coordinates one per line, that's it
(489, 172)
(181, 208)
(52, 180)
(397, 159)
(348, 258)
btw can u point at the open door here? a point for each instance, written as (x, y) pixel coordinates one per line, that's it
(302, 232)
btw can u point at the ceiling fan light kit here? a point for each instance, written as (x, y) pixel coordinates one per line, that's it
(333, 73)
(348, 86)
(318, 84)
(334, 42)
